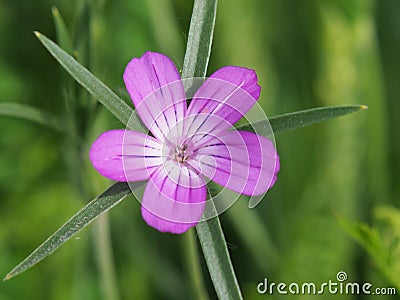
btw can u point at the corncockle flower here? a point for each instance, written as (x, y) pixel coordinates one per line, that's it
(188, 143)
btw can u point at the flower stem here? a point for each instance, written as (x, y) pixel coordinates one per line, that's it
(210, 232)
(103, 243)
(192, 263)
(216, 254)
(105, 259)
(200, 36)
(91, 18)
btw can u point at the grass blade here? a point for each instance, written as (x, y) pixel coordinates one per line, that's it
(30, 113)
(104, 202)
(240, 214)
(96, 88)
(303, 118)
(63, 35)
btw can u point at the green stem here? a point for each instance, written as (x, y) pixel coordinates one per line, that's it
(210, 232)
(103, 243)
(192, 263)
(200, 36)
(216, 253)
(105, 259)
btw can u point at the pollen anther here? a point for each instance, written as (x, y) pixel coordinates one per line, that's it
(180, 153)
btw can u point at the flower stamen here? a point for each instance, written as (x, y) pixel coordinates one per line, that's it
(181, 154)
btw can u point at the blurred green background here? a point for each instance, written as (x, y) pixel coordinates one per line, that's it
(306, 53)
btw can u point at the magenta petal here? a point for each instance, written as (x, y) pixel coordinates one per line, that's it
(242, 161)
(125, 155)
(156, 89)
(174, 199)
(228, 93)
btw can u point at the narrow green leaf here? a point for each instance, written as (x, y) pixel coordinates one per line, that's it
(30, 113)
(98, 89)
(308, 117)
(219, 264)
(63, 36)
(303, 118)
(200, 36)
(36, 115)
(104, 202)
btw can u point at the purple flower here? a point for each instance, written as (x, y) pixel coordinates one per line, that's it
(188, 143)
